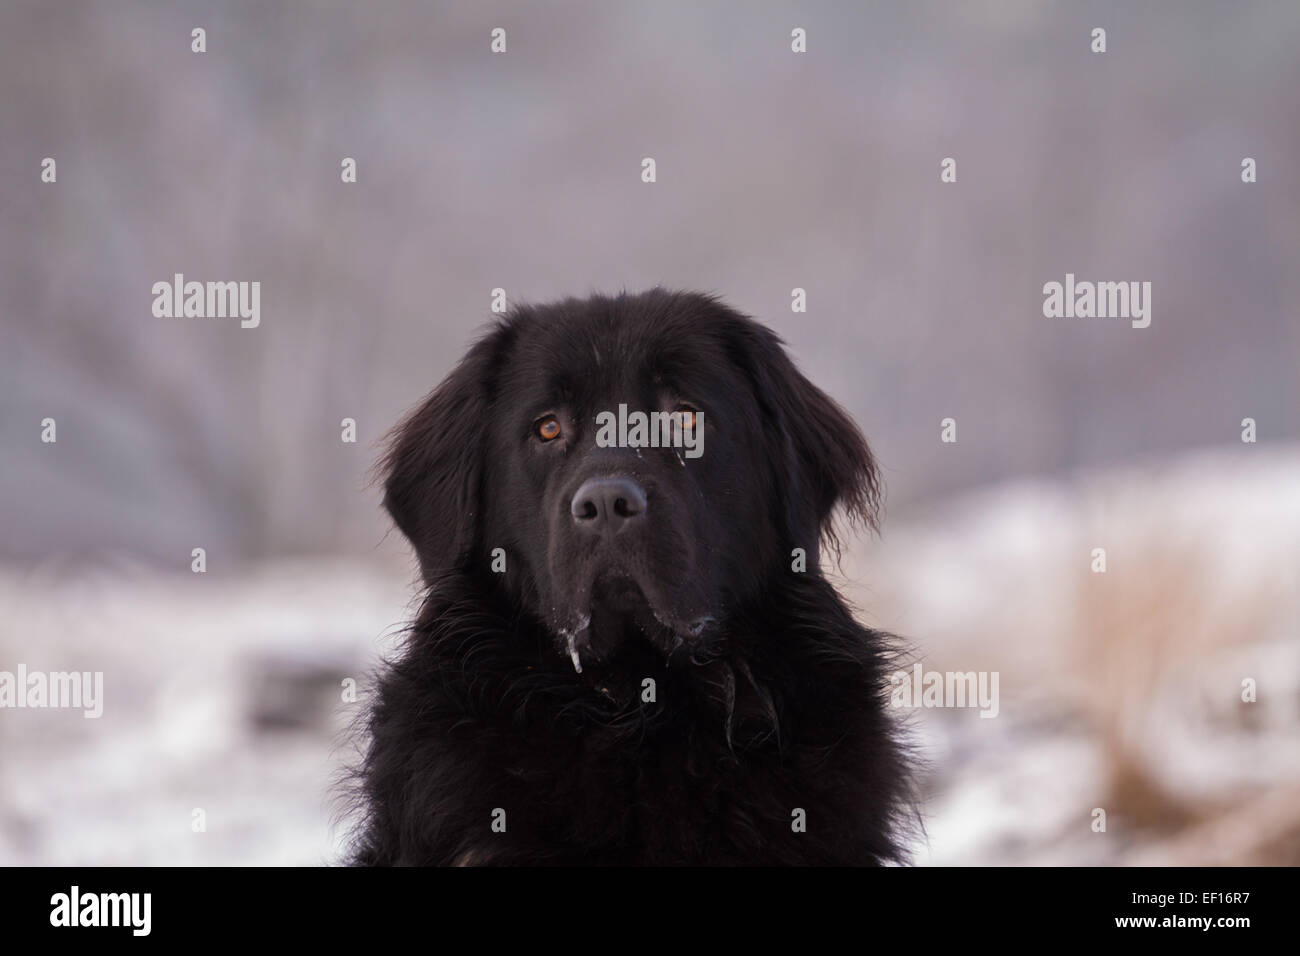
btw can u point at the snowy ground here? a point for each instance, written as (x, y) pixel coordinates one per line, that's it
(222, 694)
(1119, 691)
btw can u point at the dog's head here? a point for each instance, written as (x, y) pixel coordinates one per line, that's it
(632, 468)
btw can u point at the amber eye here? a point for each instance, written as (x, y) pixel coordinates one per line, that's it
(548, 429)
(688, 417)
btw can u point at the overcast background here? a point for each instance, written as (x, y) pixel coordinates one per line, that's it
(775, 170)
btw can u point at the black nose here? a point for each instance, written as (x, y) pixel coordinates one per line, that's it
(607, 505)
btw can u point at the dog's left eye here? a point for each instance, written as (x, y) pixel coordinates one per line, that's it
(688, 416)
(548, 428)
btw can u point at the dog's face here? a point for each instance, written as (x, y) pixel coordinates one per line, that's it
(652, 534)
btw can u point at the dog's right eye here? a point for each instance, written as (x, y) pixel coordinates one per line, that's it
(548, 428)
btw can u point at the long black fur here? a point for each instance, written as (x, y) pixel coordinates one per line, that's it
(777, 713)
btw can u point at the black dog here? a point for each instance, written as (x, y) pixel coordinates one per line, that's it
(622, 657)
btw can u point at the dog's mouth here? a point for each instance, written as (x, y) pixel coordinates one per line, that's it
(615, 609)
(618, 592)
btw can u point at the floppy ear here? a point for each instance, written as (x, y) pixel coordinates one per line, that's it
(822, 455)
(432, 469)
